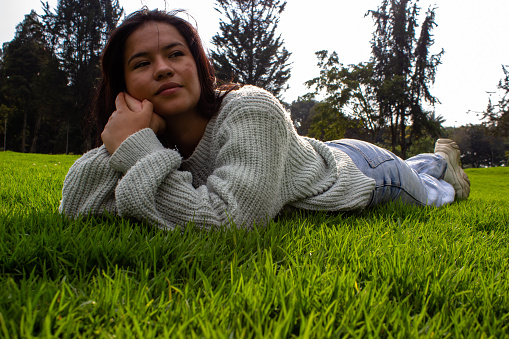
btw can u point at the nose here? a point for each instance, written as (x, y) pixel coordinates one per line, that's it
(163, 69)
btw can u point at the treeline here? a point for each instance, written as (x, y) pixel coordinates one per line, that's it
(49, 71)
(482, 145)
(48, 75)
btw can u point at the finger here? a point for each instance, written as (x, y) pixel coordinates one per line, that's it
(147, 107)
(120, 103)
(132, 103)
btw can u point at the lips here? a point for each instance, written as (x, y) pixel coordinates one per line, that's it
(168, 86)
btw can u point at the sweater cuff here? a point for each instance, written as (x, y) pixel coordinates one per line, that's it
(134, 148)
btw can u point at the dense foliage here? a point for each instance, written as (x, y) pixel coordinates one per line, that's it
(49, 71)
(349, 92)
(78, 31)
(480, 146)
(32, 88)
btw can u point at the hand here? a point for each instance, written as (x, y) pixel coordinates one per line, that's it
(130, 117)
(157, 124)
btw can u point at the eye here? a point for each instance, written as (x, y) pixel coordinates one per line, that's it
(175, 54)
(141, 64)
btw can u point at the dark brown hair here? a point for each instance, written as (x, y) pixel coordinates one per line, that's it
(113, 81)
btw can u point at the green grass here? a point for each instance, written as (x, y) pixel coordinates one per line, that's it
(393, 271)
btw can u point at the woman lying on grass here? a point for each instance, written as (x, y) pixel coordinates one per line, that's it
(176, 149)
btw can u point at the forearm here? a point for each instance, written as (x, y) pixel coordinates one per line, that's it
(89, 186)
(153, 188)
(243, 189)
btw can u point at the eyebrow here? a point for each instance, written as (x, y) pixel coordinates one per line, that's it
(141, 54)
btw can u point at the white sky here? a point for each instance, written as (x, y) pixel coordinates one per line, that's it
(474, 35)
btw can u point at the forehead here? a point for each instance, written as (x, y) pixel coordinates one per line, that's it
(152, 36)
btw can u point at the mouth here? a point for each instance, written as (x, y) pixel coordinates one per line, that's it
(168, 87)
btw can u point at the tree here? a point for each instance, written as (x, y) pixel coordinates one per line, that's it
(329, 123)
(34, 87)
(24, 59)
(78, 31)
(425, 143)
(479, 146)
(301, 112)
(4, 110)
(247, 49)
(403, 70)
(349, 90)
(51, 101)
(497, 115)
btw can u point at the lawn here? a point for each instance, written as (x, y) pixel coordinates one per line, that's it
(393, 271)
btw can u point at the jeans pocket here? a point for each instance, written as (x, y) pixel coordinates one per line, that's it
(374, 155)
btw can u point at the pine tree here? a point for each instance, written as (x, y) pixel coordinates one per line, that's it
(5, 111)
(78, 31)
(247, 49)
(23, 61)
(404, 69)
(34, 86)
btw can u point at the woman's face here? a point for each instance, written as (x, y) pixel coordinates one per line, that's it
(159, 67)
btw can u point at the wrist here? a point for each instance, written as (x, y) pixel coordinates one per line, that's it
(134, 148)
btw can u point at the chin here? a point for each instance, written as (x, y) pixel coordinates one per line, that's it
(168, 113)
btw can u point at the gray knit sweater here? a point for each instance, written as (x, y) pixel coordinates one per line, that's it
(249, 164)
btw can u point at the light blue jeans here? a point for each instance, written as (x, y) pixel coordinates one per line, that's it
(417, 180)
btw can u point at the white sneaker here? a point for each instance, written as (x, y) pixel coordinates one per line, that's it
(454, 174)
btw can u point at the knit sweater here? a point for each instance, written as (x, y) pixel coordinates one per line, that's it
(249, 164)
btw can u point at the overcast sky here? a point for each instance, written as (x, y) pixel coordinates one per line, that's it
(473, 33)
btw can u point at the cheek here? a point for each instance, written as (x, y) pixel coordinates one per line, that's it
(135, 88)
(192, 73)
(128, 83)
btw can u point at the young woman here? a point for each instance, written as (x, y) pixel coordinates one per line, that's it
(177, 150)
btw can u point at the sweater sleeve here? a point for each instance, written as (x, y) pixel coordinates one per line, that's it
(244, 187)
(89, 186)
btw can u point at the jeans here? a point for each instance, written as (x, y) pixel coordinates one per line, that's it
(417, 180)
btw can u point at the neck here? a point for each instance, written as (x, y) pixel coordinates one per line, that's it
(186, 132)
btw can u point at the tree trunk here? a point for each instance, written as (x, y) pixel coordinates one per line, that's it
(33, 147)
(67, 139)
(394, 133)
(402, 141)
(24, 132)
(5, 134)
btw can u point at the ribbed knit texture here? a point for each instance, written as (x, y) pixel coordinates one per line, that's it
(249, 164)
